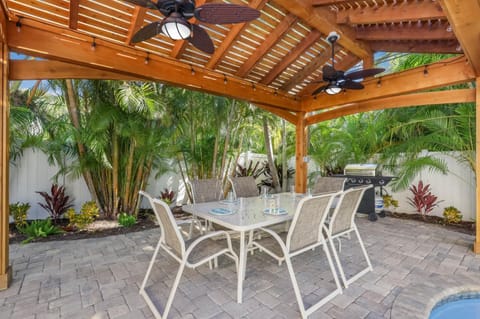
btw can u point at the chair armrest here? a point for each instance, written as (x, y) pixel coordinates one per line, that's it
(277, 238)
(207, 236)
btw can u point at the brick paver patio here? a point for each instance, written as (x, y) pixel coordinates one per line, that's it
(415, 264)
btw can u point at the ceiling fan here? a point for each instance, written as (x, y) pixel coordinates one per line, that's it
(339, 80)
(175, 25)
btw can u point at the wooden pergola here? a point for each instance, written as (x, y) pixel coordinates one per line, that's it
(272, 62)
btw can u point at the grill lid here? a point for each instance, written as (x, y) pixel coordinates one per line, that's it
(360, 169)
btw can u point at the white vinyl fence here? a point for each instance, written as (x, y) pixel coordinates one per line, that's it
(33, 173)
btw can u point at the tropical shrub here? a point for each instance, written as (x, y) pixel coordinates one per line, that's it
(126, 220)
(56, 203)
(452, 215)
(39, 228)
(167, 196)
(87, 215)
(423, 200)
(19, 212)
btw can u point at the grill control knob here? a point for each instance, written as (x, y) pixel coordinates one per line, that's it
(381, 182)
(353, 180)
(368, 181)
(360, 180)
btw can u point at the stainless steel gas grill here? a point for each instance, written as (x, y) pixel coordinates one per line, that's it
(365, 174)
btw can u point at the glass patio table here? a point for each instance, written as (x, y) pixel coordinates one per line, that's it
(244, 216)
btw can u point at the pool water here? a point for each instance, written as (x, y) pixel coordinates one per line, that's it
(461, 309)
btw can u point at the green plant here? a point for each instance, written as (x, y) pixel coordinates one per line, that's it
(19, 213)
(87, 215)
(126, 220)
(423, 199)
(56, 203)
(167, 196)
(452, 215)
(39, 228)
(389, 201)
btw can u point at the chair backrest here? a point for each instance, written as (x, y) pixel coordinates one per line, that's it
(344, 214)
(206, 190)
(170, 234)
(307, 224)
(325, 184)
(244, 186)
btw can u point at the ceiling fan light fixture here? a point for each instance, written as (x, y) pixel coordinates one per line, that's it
(333, 89)
(176, 28)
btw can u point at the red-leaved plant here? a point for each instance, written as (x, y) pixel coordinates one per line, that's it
(56, 203)
(167, 196)
(423, 199)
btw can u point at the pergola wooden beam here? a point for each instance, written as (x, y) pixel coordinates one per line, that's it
(232, 36)
(464, 18)
(438, 31)
(269, 42)
(306, 43)
(476, 245)
(407, 100)
(75, 48)
(20, 70)
(449, 46)
(324, 21)
(406, 11)
(136, 23)
(286, 115)
(327, 2)
(73, 18)
(447, 72)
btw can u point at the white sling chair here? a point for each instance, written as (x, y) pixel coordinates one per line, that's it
(191, 254)
(190, 221)
(342, 224)
(305, 233)
(244, 186)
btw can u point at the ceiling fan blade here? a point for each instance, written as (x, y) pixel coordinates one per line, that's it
(352, 85)
(143, 3)
(329, 73)
(147, 32)
(364, 73)
(225, 13)
(320, 89)
(201, 40)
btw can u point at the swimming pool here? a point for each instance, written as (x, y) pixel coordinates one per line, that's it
(464, 306)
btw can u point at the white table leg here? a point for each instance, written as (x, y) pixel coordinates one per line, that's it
(241, 267)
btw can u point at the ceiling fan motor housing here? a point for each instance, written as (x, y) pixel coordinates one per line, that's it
(333, 37)
(184, 7)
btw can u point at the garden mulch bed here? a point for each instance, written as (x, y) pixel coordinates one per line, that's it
(466, 227)
(103, 228)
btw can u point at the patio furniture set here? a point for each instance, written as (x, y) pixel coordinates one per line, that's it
(322, 219)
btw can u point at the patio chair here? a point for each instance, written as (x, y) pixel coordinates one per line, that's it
(326, 184)
(191, 254)
(190, 222)
(305, 233)
(206, 190)
(342, 224)
(244, 186)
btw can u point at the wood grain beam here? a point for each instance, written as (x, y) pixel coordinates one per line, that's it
(476, 244)
(286, 115)
(464, 18)
(68, 46)
(21, 70)
(272, 39)
(406, 11)
(180, 45)
(449, 46)
(443, 73)
(136, 23)
(306, 43)
(301, 151)
(323, 20)
(405, 32)
(74, 5)
(407, 100)
(326, 2)
(232, 36)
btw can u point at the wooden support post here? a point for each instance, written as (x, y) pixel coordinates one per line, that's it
(300, 154)
(5, 270)
(476, 245)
